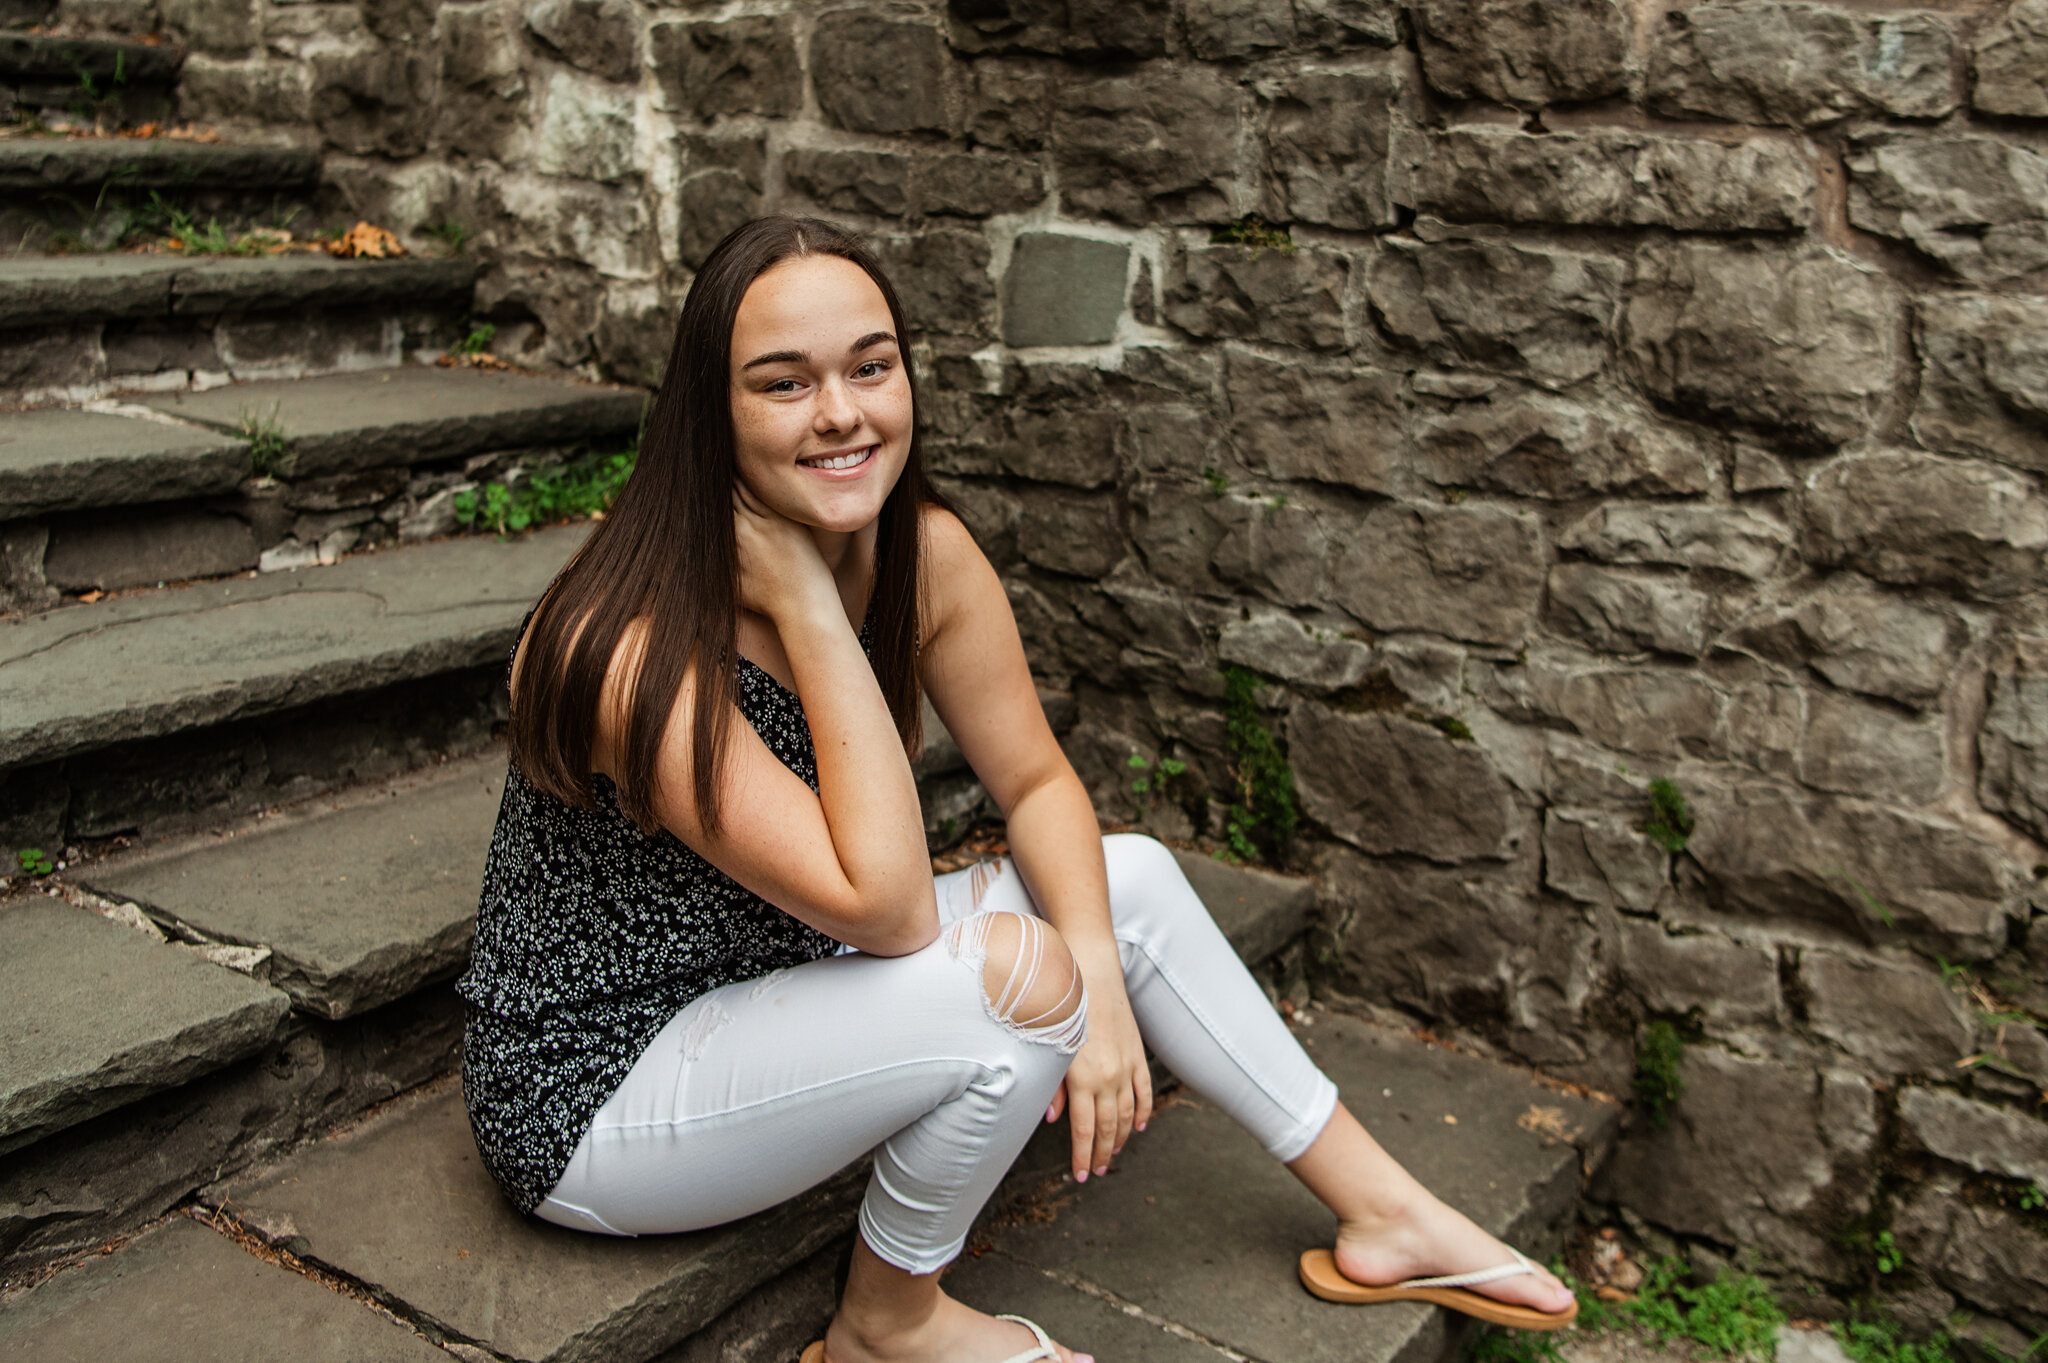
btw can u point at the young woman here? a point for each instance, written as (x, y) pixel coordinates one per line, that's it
(712, 964)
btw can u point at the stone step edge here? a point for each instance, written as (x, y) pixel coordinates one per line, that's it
(152, 163)
(43, 292)
(372, 663)
(36, 56)
(90, 481)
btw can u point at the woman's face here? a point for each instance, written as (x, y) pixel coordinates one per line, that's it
(820, 404)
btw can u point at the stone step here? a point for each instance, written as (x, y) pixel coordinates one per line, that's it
(58, 460)
(50, 290)
(95, 1014)
(360, 898)
(186, 1291)
(88, 164)
(26, 57)
(151, 663)
(400, 1205)
(1187, 1250)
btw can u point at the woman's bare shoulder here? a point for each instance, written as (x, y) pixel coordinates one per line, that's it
(957, 574)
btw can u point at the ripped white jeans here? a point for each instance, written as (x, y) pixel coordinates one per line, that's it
(941, 1066)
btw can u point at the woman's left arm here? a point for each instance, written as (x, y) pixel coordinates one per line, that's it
(975, 672)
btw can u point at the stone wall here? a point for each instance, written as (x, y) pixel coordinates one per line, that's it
(1642, 391)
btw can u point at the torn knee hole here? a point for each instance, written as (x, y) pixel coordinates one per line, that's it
(1030, 983)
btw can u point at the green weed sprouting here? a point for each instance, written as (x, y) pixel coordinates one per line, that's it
(1658, 1084)
(1671, 823)
(1453, 728)
(1881, 1341)
(582, 488)
(1255, 236)
(1733, 1316)
(1150, 782)
(1262, 818)
(1218, 483)
(270, 449)
(1870, 901)
(34, 861)
(478, 341)
(452, 235)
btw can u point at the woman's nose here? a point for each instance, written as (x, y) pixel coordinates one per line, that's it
(836, 410)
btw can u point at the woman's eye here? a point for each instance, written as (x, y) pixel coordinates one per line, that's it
(872, 369)
(782, 386)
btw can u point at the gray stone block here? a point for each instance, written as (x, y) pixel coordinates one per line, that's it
(29, 56)
(1984, 377)
(1801, 64)
(879, 75)
(1978, 1136)
(1063, 290)
(999, 1284)
(2011, 61)
(345, 422)
(746, 65)
(148, 551)
(1290, 297)
(1979, 205)
(2012, 744)
(403, 1201)
(1198, 1227)
(1521, 54)
(41, 290)
(1916, 519)
(98, 1015)
(62, 460)
(1259, 911)
(187, 1291)
(359, 902)
(148, 664)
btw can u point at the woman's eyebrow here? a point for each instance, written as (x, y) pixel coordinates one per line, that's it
(873, 338)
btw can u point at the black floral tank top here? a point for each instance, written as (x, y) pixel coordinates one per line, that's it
(590, 937)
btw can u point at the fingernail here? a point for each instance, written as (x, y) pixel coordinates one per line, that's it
(1048, 1115)
(1141, 1126)
(1081, 1177)
(1102, 1169)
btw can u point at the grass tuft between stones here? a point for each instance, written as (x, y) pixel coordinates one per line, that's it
(1262, 818)
(587, 487)
(1657, 1081)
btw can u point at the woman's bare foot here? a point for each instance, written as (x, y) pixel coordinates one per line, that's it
(1432, 1240)
(953, 1333)
(1390, 1228)
(889, 1315)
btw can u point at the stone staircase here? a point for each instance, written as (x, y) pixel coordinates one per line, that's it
(249, 680)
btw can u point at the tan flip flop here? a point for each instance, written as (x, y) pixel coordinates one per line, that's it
(1319, 1275)
(1042, 1350)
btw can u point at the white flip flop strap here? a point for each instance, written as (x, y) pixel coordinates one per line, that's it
(1044, 1349)
(1516, 1269)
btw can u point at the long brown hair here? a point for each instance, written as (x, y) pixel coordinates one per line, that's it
(665, 554)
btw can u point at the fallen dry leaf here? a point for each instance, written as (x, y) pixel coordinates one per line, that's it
(1546, 1122)
(364, 241)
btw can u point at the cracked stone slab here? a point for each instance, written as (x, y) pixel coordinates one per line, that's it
(344, 422)
(996, 1283)
(87, 163)
(1198, 1227)
(153, 662)
(61, 459)
(403, 1205)
(360, 901)
(40, 290)
(186, 1291)
(94, 1015)
(41, 55)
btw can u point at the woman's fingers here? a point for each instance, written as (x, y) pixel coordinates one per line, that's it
(1081, 1123)
(1059, 1103)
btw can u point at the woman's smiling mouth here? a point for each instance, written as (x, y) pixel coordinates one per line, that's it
(835, 462)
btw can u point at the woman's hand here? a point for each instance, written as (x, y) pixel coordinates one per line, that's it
(1108, 1088)
(780, 566)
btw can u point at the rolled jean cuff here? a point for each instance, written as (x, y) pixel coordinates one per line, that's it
(1321, 1109)
(893, 1251)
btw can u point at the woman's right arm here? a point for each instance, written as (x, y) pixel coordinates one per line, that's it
(850, 859)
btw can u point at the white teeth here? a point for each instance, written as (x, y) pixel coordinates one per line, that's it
(844, 461)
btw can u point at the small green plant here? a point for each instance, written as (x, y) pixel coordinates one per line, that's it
(1881, 1341)
(1218, 484)
(1670, 823)
(477, 342)
(1734, 1315)
(1453, 728)
(1887, 1252)
(270, 449)
(1273, 506)
(34, 860)
(1151, 782)
(1515, 1346)
(1871, 902)
(452, 235)
(582, 488)
(1657, 1081)
(1262, 818)
(2032, 1199)
(1255, 236)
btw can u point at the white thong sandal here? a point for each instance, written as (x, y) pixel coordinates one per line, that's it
(1044, 1349)
(1319, 1274)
